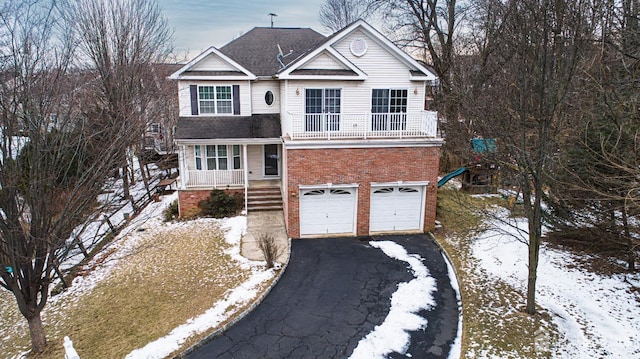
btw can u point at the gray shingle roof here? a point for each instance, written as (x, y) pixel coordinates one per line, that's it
(257, 50)
(213, 73)
(327, 72)
(228, 127)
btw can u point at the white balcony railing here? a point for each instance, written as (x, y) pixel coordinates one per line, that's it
(376, 125)
(200, 178)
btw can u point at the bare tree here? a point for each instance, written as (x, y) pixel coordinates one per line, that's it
(596, 190)
(122, 41)
(336, 14)
(53, 161)
(435, 30)
(522, 97)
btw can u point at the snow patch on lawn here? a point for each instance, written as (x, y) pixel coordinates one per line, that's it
(455, 352)
(125, 244)
(597, 315)
(410, 298)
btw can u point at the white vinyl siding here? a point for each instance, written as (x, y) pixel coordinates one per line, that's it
(384, 71)
(213, 63)
(258, 90)
(323, 61)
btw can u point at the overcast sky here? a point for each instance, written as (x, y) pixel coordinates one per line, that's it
(198, 24)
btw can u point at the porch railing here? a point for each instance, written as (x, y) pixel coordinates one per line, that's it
(200, 178)
(369, 125)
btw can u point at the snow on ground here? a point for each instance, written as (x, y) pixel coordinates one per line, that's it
(123, 245)
(410, 298)
(119, 209)
(235, 298)
(597, 315)
(456, 347)
(127, 242)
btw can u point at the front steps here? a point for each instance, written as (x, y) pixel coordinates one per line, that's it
(264, 199)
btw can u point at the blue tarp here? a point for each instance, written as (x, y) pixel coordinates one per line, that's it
(482, 145)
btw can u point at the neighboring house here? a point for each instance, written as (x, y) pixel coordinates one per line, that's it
(162, 113)
(335, 124)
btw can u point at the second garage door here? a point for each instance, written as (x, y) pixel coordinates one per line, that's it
(327, 211)
(396, 208)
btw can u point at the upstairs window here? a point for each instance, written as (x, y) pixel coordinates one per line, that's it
(322, 109)
(388, 109)
(215, 99)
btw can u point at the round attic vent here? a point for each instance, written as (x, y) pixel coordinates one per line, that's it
(358, 46)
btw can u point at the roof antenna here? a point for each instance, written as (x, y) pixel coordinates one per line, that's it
(281, 56)
(272, 15)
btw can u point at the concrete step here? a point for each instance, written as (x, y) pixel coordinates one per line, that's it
(259, 197)
(265, 208)
(264, 199)
(264, 192)
(277, 201)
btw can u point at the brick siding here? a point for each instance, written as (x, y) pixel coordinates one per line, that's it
(361, 166)
(188, 200)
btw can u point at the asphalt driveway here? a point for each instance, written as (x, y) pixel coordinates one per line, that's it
(333, 293)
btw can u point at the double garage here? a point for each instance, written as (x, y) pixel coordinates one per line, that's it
(332, 209)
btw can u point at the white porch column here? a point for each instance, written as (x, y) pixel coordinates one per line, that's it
(184, 173)
(245, 162)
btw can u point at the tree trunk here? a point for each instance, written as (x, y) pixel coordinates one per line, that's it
(145, 176)
(631, 258)
(125, 181)
(532, 277)
(38, 338)
(534, 217)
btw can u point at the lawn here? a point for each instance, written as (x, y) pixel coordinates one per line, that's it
(142, 286)
(494, 324)
(581, 314)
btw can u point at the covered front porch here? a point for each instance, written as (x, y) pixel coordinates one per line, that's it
(229, 151)
(224, 166)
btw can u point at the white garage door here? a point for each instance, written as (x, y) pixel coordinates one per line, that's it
(327, 211)
(396, 208)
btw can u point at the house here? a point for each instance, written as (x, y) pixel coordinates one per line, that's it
(161, 113)
(336, 126)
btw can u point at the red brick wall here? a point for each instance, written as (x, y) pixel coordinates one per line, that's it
(361, 166)
(188, 200)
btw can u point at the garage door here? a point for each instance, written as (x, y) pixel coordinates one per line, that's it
(396, 208)
(327, 211)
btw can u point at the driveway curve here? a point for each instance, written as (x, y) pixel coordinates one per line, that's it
(334, 292)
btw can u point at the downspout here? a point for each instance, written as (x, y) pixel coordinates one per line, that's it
(246, 178)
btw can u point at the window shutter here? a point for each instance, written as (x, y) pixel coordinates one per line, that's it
(236, 99)
(193, 89)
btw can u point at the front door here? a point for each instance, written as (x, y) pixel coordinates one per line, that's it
(271, 160)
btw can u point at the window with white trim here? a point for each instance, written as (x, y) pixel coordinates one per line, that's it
(322, 109)
(217, 157)
(388, 109)
(215, 99)
(236, 157)
(197, 152)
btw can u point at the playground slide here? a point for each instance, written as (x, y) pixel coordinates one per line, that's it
(449, 176)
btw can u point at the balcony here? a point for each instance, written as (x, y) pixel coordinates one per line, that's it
(214, 179)
(362, 126)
